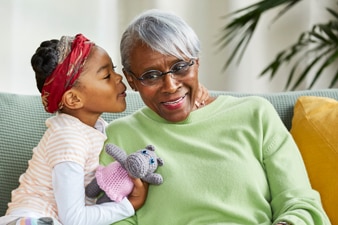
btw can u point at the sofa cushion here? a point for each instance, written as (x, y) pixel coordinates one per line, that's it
(314, 128)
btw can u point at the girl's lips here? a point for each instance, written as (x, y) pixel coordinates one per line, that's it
(123, 94)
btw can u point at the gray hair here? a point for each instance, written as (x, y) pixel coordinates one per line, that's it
(162, 31)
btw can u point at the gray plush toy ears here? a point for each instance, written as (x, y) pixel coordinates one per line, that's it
(160, 161)
(150, 147)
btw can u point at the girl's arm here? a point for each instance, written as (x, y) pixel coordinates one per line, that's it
(69, 192)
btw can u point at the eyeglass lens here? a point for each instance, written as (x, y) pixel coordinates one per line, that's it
(154, 76)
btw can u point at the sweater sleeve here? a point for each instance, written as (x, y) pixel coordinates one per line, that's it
(293, 199)
(69, 191)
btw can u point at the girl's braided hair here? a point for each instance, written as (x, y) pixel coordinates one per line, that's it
(44, 61)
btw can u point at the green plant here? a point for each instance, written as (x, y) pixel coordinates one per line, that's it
(320, 44)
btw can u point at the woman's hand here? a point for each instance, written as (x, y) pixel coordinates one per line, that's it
(139, 193)
(202, 97)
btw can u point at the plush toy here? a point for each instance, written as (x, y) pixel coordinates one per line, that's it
(114, 179)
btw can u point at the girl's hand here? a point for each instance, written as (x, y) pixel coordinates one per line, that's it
(139, 193)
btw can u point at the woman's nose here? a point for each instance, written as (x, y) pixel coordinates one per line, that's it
(170, 84)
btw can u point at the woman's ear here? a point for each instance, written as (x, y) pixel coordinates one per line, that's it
(129, 79)
(72, 99)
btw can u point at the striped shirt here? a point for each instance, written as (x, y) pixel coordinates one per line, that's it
(67, 139)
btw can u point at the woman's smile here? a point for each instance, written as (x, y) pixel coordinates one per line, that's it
(174, 104)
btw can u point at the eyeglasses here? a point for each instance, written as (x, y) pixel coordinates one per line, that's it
(154, 77)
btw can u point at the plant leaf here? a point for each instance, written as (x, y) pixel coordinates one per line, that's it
(320, 43)
(246, 24)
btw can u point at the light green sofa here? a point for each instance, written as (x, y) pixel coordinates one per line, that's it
(22, 120)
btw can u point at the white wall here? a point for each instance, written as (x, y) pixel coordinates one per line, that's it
(25, 23)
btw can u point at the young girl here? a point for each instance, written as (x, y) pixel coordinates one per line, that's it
(77, 80)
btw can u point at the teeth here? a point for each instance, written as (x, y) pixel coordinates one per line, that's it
(174, 102)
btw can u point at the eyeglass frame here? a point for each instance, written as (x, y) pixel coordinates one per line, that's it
(190, 63)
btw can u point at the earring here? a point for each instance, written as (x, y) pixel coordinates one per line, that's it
(61, 106)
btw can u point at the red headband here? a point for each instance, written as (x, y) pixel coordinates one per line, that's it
(66, 72)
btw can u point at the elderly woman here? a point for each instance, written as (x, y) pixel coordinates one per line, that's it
(228, 161)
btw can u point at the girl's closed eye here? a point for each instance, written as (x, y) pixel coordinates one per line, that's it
(107, 76)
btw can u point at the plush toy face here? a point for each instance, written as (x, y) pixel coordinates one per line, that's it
(142, 162)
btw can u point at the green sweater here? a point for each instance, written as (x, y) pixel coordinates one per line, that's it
(230, 162)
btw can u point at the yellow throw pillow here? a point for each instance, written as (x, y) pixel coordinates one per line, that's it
(315, 130)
